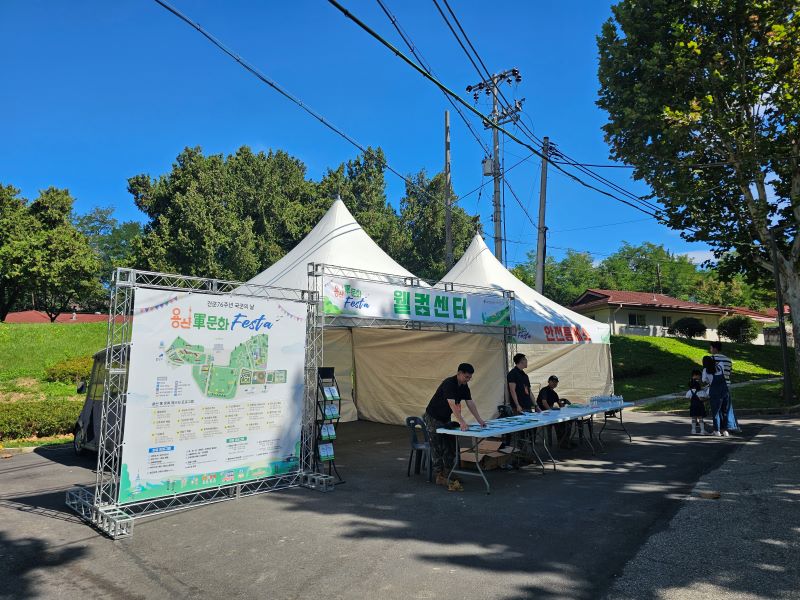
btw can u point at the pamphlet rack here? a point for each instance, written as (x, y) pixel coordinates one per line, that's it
(329, 404)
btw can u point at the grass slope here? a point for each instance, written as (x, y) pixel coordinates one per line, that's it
(29, 405)
(651, 366)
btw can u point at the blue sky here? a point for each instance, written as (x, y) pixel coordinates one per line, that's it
(96, 92)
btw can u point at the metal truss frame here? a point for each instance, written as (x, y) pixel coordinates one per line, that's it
(100, 506)
(317, 272)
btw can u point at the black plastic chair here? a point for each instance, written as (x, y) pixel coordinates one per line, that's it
(421, 447)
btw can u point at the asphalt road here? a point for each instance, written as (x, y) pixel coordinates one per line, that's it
(568, 534)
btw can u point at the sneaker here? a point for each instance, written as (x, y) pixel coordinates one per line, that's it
(716, 434)
(726, 434)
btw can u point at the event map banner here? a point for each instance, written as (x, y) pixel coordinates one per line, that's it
(215, 392)
(373, 299)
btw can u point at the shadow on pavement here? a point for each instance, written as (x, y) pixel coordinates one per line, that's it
(23, 557)
(579, 525)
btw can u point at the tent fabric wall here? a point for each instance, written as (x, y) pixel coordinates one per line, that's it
(583, 370)
(398, 371)
(337, 352)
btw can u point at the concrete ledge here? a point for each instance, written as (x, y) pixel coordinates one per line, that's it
(27, 449)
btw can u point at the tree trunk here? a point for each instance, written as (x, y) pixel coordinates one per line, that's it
(791, 290)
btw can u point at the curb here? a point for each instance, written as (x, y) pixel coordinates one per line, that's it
(29, 449)
(744, 412)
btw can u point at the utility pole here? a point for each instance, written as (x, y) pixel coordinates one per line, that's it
(658, 277)
(448, 196)
(541, 241)
(498, 117)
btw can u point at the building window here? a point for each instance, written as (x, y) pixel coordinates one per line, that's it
(666, 321)
(636, 319)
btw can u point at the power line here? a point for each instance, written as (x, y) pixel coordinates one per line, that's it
(483, 117)
(412, 48)
(596, 226)
(461, 101)
(483, 185)
(275, 86)
(522, 125)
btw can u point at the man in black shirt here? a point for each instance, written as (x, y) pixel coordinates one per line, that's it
(519, 386)
(548, 400)
(446, 401)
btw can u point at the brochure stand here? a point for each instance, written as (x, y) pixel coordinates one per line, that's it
(329, 404)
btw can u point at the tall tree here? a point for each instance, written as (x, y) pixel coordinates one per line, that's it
(111, 240)
(648, 268)
(66, 266)
(362, 186)
(422, 213)
(703, 100)
(18, 248)
(197, 226)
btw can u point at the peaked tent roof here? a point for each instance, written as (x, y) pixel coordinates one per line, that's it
(338, 240)
(533, 312)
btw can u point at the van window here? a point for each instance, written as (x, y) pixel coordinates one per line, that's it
(96, 385)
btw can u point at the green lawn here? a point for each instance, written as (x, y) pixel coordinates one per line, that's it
(651, 366)
(758, 395)
(27, 350)
(28, 403)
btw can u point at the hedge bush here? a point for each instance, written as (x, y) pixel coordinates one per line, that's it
(70, 370)
(688, 327)
(37, 418)
(738, 328)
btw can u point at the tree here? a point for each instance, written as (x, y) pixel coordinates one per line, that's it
(197, 223)
(18, 245)
(422, 214)
(688, 327)
(703, 101)
(111, 240)
(361, 185)
(232, 216)
(648, 268)
(66, 266)
(738, 328)
(567, 279)
(732, 291)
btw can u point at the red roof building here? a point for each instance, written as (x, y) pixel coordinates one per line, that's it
(647, 313)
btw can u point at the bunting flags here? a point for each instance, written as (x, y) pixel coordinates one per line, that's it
(146, 309)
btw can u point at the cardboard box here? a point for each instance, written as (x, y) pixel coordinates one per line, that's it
(489, 455)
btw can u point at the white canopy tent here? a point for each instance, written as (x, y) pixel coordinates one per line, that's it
(385, 374)
(556, 340)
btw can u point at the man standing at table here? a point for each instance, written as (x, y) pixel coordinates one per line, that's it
(446, 401)
(519, 386)
(548, 400)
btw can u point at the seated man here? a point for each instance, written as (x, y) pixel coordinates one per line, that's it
(445, 402)
(548, 400)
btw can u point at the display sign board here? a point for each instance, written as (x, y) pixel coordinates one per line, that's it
(373, 299)
(215, 392)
